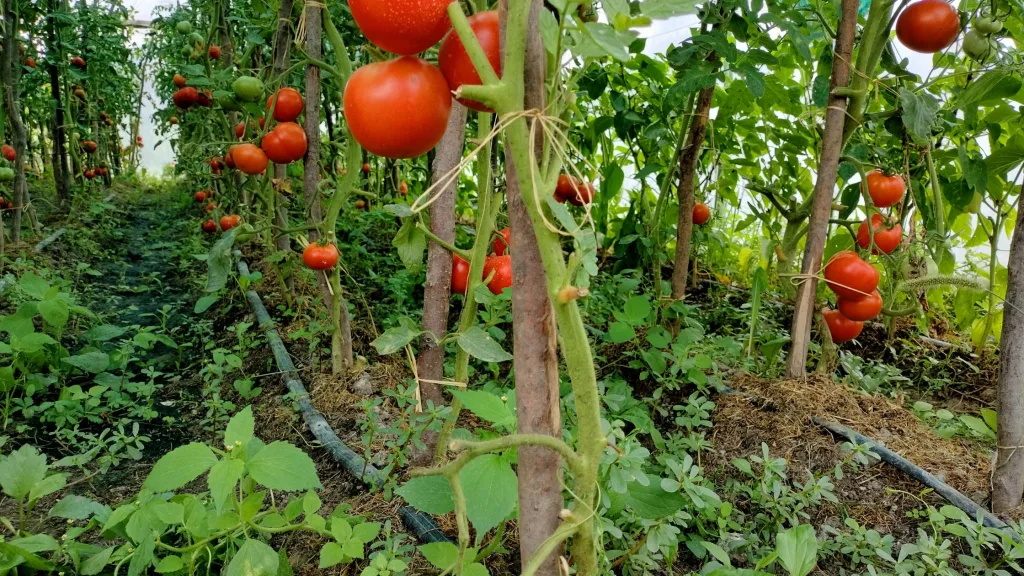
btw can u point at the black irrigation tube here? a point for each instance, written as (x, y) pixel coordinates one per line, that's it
(923, 476)
(423, 526)
(952, 495)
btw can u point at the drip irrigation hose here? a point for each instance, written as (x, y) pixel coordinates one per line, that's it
(952, 495)
(423, 526)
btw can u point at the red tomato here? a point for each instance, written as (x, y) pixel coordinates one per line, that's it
(229, 161)
(200, 196)
(250, 159)
(701, 214)
(455, 64)
(229, 222)
(572, 190)
(211, 206)
(849, 276)
(209, 226)
(399, 108)
(842, 328)
(885, 190)
(30, 62)
(502, 267)
(9, 153)
(214, 52)
(240, 130)
(861, 309)
(366, 168)
(78, 62)
(289, 104)
(502, 242)
(263, 123)
(460, 275)
(886, 239)
(180, 81)
(361, 204)
(285, 143)
(928, 26)
(186, 98)
(204, 98)
(403, 27)
(403, 188)
(320, 256)
(90, 174)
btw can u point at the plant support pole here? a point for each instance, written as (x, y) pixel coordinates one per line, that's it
(824, 189)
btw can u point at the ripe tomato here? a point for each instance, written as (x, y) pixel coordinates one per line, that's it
(174, 120)
(701, 214)
(928, 26)
(885, 190)
(9, 153)
(849, 276)
(399, 108)
(402, 27)
(366, 168)
(229, 222)
(403, 188)
(250, 159)
(320, 256)
(240, 130)
(285, 143)
(211, 206)
(502, 267)
(229, 161)
(204, 98)
(200, 196)
(572, 190)
(180, 81)
(502, 242)
(30, 62)
(90, 174)
(289, 104)
(455, 64)
(214, 52)
(886, 239)
(360, 204)
(840, 327)
(460, 275)
(186, 98)
(209, 226)
(78, 62)
(89, 146)
(861, 309)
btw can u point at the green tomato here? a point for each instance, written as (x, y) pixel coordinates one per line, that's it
(988, 25)
(960, 74)
(229, 103)
(197, 38)
(184, 27)
(186, 52)
(6, 174)
(248, 88)
(977, 46)
(975, 206)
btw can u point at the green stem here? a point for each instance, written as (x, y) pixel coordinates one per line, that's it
(465, 255)
(873, 40)
(933, 176)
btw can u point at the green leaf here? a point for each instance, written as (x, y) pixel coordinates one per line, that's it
(21, 471)
(619, 332)
(398, 337)
(491, 491)
(94, 564)
(430, 494)
(613, 42)
(92, 362)
(104, 333)
(169, 564)
(33, 285)
(142, 558)
(637, 309)
(661, 9)
(487, 406)
(993, 85)
(798, 549)
(31, 342)
(55, 312)
(1005, 159)
(411, 244)
(179, 467)
(442, 555)
(37, 543)
(240, 428)
(219, 261)
(716, 551)
(282, 466)
(331, 555)
(353, 548)
(919, 113)
(204, 303)
(652, 501)
(47, 486)
(75, 507)
(254, 558)
(366, 532)
(479, 344)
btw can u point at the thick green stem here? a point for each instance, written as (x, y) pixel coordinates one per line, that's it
(872, 42)
(933, 176)
(993, 264)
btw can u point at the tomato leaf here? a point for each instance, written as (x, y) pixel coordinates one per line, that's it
(479, 344)
(919, 113)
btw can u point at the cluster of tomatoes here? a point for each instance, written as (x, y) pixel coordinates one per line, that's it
(497, 266)
(854, 280)
(284, 144)
(399, 108)
(91, 173)
(930, 26)
(227, 221)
